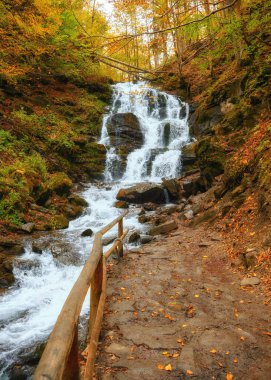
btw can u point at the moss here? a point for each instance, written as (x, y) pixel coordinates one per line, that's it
(59, 183)
(57, 222)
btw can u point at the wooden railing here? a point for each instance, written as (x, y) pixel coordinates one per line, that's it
(60, 359)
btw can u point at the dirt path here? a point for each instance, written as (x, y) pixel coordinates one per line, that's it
(176, 304)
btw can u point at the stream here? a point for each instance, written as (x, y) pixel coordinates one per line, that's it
(30, 308)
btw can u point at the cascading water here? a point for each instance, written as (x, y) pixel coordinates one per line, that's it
(163, 121)
(30, 308)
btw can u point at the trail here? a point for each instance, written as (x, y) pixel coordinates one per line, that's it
(177, 301)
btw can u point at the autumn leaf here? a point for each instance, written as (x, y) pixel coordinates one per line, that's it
(189, 372)
(160, 366)
(168, 367)
(229, 376)
(213, 351)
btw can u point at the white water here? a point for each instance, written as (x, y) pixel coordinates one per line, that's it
(30, 308)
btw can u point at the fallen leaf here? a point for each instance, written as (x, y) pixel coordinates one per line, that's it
(168, 316)
(189, 372)
(175, 355)
(235, 360)
(164, 353)
(196, 295)
(168, 367)
(131, 358)
(213, 351)
(229, 376)
(242, 338)
(160, 366)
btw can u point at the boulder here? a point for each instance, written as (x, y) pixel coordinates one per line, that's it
(87, 232)
(11, 247)
(150, 206)
(124, 131)
(133, 237)
(78, 201)
(28, 227)
(144, 239)
(142, 193)
(36, 248)
(172, 186)
(121, 204)
(163, 228)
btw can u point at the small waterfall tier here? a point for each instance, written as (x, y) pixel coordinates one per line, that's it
(144, 133)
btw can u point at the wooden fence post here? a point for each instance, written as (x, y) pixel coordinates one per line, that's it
(72, 369)
(120, 233)
(96, 288)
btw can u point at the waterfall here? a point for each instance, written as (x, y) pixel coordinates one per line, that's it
(30, 308)
(163, 123)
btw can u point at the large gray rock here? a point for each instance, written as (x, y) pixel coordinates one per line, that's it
(124, 130)
(163, 228)
(172, 187)
(126, 136)
(142, 193)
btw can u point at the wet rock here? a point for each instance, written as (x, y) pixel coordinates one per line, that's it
(78, 201)
(65, 253)
(133, 237)
(125, 135)
(143, 219)
(163, 228)
(26, 264)
(121, 204)
(28, 227)
(141, 212)
(36, 248)
(6, 280)
(150, 206)
(250, 281)
(159, 220)
(142, 193)
(172, 186)
(87, 232)
(11, 247)
(145, 239)
(72, 211)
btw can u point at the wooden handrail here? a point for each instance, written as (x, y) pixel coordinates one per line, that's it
(59, 360)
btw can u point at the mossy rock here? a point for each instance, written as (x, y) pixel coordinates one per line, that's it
(57, 222)
(78, 201)
(59, 183)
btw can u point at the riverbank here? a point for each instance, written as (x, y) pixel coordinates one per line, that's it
(177, 307)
